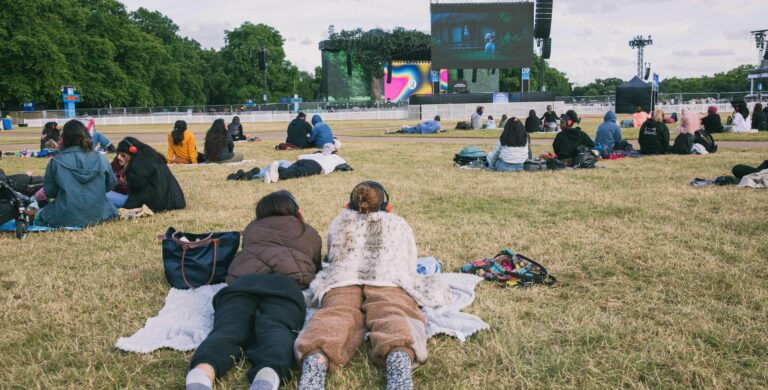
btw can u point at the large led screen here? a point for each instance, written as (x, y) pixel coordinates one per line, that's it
(482, 35)
(411, 79)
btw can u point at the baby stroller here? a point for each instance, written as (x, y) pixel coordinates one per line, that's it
(13, 206)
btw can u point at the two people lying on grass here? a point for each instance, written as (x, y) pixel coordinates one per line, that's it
(219, 145)
(323, 162)
(262, 310)
(182, 148)
(77, 179)
(299, 131)
(143, 178)
(430, 126)
(512, 149)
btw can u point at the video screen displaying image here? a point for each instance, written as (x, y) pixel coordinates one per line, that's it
(339, 84)
(498, 35)
(411, 79)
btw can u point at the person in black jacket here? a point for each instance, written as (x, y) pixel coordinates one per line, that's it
(298, 132)
(236, 130)
(532, 123)
(759, 118)
(549, 120)
(568, 141)
(149, 180)
(743, 170)
(712, 122)
(654, 135)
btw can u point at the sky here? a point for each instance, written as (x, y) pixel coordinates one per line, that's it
(590, 38)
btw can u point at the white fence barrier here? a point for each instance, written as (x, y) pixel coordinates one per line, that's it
(456, 112)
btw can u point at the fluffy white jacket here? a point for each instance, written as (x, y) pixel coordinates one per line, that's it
(376, 249)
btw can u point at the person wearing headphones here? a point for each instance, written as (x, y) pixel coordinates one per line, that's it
(567, 142)
(262, 310)
(148, 179)
(370, 284)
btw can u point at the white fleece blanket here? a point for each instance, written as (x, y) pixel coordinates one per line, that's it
(187, 318)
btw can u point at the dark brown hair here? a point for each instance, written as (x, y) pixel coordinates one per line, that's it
(367, 198)
(276, 204)
(74, 134)
(216, 140)
(178, 132)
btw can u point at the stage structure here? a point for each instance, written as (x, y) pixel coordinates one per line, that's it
(640, 43)
(758, 78)
(542, 31)
(410, 79)
(632, 94)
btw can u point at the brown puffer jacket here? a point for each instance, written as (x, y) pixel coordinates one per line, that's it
(277, 245)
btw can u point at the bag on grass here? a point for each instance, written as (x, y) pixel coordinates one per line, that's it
(195, 260)
(510, 269)
(584, 158)
(535, 165)
(683, 144)
(554, 164)
(463, 126)
(471, 156)
(704, 139)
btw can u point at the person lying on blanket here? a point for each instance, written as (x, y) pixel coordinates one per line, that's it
(148, 178)
(262, 309)
(322, 163)
(78, 178)
(370, 284)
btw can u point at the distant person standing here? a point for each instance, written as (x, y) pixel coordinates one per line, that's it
(236, 130)
(298, 132)
(639, 117)
(477, 118)
(549, 119)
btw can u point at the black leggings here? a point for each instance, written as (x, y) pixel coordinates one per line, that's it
(300, 168)
(743, 170)
(265, 327)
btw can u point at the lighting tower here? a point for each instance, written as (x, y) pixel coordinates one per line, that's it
(760, 36)
(640, 43)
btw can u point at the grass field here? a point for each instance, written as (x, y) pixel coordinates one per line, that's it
(662, 285)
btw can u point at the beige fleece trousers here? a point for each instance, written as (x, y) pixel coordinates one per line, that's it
(346, 313)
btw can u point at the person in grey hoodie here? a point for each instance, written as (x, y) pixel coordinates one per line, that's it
(78, 179)
(608, 135)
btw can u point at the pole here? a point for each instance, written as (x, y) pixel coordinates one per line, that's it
(541, 74)
(640, 62)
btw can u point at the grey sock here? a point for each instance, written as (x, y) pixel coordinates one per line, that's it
(399, 371)
(313, 373)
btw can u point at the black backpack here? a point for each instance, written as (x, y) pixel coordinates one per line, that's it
(12, 207)
(703, 138)
(683, 144)
(584, 158)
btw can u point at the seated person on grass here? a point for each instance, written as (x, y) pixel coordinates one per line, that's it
(181, 145)
(549, 120)
(321, 133)
(320, 163)
(654, 135)
(299, 131)
(491, 124)
(98, 140)
(78, 179)
(503, 121)
(567, 142)
(511, 150)
(371, 285)
(477, 118)
(743, 170)
(608, 137)
(431, 126)
(236, 130)
(261, 311)
(712, 123)
(219, 146)
(639, 117)
(148, 178)
(532, 122)
(50, 133)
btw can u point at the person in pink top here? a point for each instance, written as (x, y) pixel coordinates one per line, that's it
(639, 117)
(689, 122)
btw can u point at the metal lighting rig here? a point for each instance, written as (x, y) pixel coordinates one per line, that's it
(640, 43)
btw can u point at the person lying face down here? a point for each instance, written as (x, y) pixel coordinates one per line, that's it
(370, 284)
(262, 310)
(323, 163)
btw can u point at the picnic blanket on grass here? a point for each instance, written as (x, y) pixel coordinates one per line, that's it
(187, 317)
(214, 164)
(10, 226)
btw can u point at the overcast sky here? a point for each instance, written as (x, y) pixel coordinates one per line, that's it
(589, 37)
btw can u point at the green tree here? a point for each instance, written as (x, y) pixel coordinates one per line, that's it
(554, 80)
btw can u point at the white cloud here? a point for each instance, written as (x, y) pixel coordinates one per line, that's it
(590, 38)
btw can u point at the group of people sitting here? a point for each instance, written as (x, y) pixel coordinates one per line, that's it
(739, 122)
(261, 313)
(80, 188)
(302, 135)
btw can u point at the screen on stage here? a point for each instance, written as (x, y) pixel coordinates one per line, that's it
(339, 84)
(482, 35)
(412, 79)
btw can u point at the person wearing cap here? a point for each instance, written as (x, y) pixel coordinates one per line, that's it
(477, 118)
(712, 122)
(298, 132)
(430, 126)
(567, 142)
(321, 163)
(549, 120)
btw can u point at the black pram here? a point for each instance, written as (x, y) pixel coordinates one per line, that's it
(13, 206)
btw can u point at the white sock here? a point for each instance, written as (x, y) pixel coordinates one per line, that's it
(197, 376)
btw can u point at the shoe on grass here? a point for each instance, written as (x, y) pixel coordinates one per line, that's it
(265, 379)
(274, 172)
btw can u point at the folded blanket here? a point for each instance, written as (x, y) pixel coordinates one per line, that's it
(755, 180)
(187, 318)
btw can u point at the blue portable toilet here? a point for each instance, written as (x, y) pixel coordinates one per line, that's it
(7, 124)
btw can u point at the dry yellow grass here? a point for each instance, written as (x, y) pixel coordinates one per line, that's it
(662, 285)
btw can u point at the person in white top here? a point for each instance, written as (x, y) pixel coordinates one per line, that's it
(511, 150)
(491, 125)
(739, 119)
(321, 163)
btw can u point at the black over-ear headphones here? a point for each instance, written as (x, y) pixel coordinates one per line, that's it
(385, 206)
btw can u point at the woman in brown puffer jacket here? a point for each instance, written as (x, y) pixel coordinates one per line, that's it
(262, 310)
